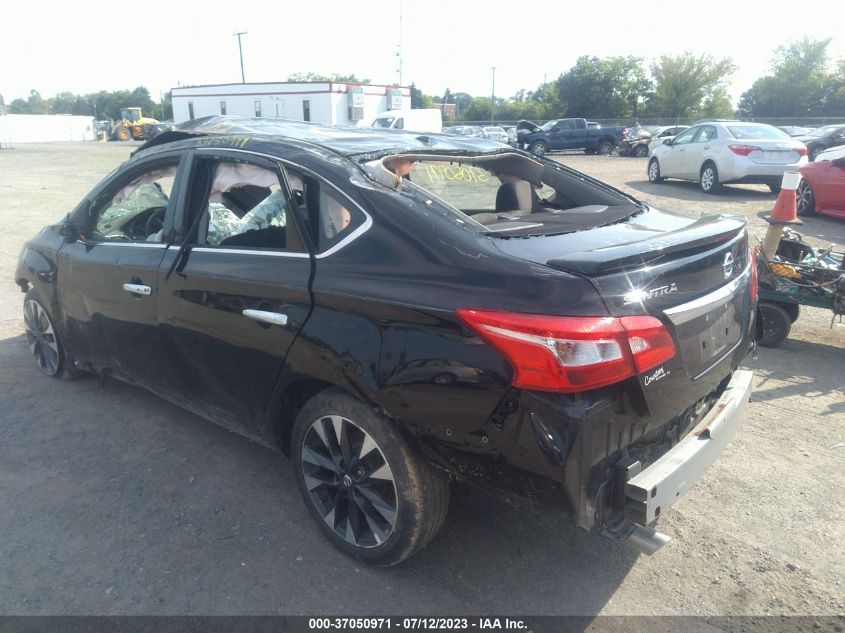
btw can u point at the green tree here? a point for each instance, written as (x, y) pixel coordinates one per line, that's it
(689, 85)
(312, 76)
(602, 88)
(418, 99)
(799, 84)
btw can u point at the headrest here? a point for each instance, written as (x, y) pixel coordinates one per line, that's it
(514, 196)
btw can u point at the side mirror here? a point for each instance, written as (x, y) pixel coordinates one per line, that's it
(69, 231)
(668, 141)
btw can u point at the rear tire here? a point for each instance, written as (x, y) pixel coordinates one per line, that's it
(774, 188)
(654, 171)
(45, 340)
(792, 309)
(641, 151)
(806, 200)
(776, 325)
(604, 148)
(370, 494)
(709, 179)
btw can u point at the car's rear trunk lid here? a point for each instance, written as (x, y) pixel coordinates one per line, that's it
(773, 153)
(691, 273)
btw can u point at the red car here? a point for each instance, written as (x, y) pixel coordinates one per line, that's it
(822, 188)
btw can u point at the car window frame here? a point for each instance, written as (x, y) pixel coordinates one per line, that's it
(701, 131)
(693, 134)
(105, 192)
(259, 160)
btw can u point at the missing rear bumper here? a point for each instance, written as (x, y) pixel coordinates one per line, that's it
(661, 484)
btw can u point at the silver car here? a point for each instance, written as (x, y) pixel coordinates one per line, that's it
(496, 133)
(714, 153)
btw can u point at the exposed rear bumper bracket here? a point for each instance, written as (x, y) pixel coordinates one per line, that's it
(663, 482)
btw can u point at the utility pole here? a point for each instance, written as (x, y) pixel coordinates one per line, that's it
(493, 97)
(241, 51)
(399, 47)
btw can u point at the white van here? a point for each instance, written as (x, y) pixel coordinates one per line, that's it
(417, 120)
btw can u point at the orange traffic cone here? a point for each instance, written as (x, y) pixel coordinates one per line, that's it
(785, 211)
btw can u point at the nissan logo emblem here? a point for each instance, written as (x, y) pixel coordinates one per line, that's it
(728, 265)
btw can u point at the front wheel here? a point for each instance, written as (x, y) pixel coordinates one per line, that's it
(709, 179)
(370, 494)
(776, 325)
(539, 148)
(806, 200)
(654, 171)
(641, 151)
(122, 133)
(44, 340)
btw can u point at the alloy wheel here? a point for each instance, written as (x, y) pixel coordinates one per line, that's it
(349, 481)
(805, 202)
(41, 337)
(653, 171)
(707, 178)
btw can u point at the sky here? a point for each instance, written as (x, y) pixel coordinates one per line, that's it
(86, 46)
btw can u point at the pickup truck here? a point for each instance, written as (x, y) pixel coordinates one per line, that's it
(560, 134)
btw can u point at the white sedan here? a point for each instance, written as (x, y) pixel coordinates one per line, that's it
(714, 153)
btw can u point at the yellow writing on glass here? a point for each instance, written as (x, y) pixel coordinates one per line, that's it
(441, 172)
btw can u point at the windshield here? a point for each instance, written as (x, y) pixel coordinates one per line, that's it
(750, 130)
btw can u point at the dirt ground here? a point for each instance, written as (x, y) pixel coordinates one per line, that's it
(113, 501)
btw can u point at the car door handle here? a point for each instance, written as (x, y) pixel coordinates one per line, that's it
(273, 318)
(137, 289)
(706, 147)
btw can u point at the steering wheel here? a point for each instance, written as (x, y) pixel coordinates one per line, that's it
(155, 222)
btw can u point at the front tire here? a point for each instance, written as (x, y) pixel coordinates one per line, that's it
(709, 179)
(539, 148)
(372, 496)
(641, 151)
(122, 133)
(44, 340)
(654, 172)
(776, 325)
(806, 200)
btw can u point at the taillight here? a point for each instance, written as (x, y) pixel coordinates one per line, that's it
(743, 150)
(802, 151)
(752, 256)
(555, 353)
(624, 132)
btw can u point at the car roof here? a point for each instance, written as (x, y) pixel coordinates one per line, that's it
(346, 141)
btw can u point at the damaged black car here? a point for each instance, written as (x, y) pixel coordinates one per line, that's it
(398, 312)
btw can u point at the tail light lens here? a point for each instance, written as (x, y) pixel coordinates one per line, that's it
(624, 132)
(802, 151)
(752, 256)
(569, 354)
(743, 150)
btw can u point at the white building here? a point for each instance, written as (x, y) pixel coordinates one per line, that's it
(326, 102)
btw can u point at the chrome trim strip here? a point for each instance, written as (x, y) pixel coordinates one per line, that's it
(243, 251)
(273, 318)
(138, 244)
(688, 311)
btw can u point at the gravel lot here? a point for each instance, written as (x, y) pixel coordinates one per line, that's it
(113, 501)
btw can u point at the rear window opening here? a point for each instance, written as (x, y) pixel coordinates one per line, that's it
(505, 194)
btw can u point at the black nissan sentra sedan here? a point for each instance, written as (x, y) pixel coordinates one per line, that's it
(396, 312)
